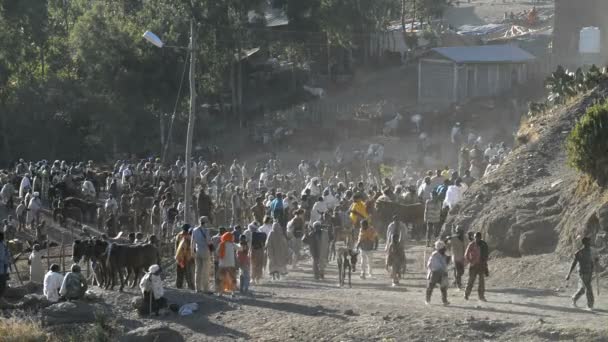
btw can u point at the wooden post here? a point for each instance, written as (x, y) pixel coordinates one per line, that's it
(89, 278)
(48, 257)
(61, 255)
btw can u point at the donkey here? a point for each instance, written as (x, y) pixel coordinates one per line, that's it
(347, 260)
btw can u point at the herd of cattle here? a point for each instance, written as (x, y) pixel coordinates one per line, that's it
(116, 258)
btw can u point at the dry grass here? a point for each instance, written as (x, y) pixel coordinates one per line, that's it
(21, 330)
(586, 185)
(528, 131)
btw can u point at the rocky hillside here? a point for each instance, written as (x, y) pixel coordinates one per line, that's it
(535, 203)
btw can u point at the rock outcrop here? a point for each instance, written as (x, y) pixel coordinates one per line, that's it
(535, 203)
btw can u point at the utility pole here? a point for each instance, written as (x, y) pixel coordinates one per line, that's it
(190, 134)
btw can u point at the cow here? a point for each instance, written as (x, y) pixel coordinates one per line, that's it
(134, 258)
(61, 216)
(88, 208)
(93, 250)
(409, 214)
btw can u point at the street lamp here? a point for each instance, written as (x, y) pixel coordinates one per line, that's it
(156, 41)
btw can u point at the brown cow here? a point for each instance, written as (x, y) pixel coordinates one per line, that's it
(132, 257)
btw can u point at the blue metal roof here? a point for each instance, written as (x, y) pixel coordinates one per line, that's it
(485, 54)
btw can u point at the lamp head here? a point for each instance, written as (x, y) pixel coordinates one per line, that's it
(153, 39)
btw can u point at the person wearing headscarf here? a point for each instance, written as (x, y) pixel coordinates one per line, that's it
(52, 284)
(36, 269)
(25, 186)
(184, 258)
(33, 210)
(277, 251)
(151, 286)
(318, 210)
(227, 263)
(6, 194)
(437, 273)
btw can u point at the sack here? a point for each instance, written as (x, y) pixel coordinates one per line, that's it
(258, 240)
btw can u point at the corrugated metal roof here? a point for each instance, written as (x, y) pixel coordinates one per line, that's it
(485, 54)
(276, 17)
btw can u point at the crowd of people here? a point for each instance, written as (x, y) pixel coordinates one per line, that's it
(254, 222)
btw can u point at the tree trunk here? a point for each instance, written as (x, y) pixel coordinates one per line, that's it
(4, 131)
(42, 59)
(413, 15)
(240, 81)
(233, 88)
(403, 15)
(162, 132)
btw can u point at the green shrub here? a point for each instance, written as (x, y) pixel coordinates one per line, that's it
(587, 144)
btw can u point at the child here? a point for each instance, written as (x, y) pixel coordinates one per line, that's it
(151, 286)
(366, 244)
(242, 256)
(227, 263)
(437, 267)
(395, 259)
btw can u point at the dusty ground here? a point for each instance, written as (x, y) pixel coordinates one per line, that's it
(301, 309)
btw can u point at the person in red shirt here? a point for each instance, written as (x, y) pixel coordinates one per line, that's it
(476, 255)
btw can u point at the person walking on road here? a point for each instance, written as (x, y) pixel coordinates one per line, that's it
(476, 255)
(366, 243)
(584, 259)
(457, 246)
(432, 218)
(437, 268)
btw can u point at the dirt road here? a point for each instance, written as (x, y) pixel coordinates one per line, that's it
(301, 309)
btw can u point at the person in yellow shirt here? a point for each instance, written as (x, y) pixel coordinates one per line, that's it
(358, 211)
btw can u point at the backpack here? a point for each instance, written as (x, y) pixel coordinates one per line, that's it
(258, 240)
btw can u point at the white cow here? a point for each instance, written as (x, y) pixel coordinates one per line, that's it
(317, 92)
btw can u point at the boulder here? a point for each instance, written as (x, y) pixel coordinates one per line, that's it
(71, 312)
(496, 228)
(19, 292)
(33, 302)
(538, 241)
(153, 333)
(602, 216)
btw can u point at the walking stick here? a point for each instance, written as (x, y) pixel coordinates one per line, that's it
(424, 257)
(597, 283)
(16, 269)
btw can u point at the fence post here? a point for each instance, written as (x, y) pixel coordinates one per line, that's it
(61, 255)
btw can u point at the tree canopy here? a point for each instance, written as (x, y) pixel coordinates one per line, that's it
(77, 80)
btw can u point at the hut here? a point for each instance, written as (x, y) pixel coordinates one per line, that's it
(449, 75)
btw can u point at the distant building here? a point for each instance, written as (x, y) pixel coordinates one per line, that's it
(570, 17)
(449, 75)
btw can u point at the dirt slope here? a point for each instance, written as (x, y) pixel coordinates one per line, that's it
(534, 203)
